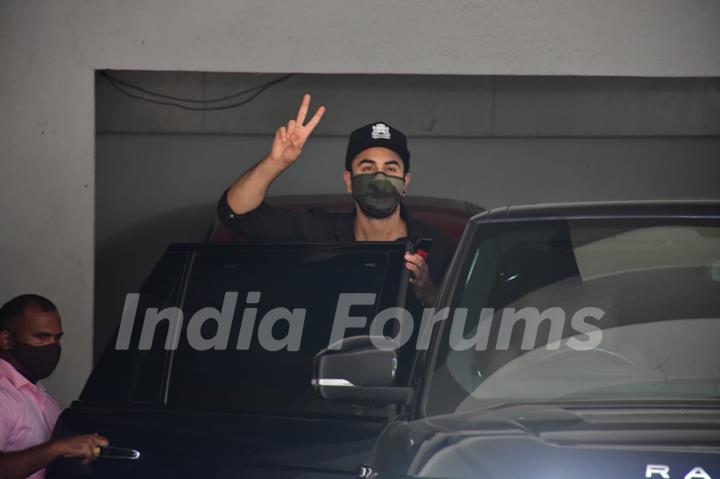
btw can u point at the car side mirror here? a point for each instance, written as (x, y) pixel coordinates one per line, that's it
(356, 370)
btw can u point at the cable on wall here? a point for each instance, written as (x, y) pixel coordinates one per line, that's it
(137, 92)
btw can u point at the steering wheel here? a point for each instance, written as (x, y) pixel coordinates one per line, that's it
(611, 354)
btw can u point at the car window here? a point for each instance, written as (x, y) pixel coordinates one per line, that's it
(307, 279)
(131, 374)
(583, 309)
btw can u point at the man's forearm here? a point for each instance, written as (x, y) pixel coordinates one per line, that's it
(250, 189)
(20, 464)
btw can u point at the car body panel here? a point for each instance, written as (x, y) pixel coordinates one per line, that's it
(193, 443)
(554, 441)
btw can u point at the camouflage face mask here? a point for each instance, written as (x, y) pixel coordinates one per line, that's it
(377, 194)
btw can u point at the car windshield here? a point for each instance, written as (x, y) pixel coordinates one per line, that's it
(582, 309)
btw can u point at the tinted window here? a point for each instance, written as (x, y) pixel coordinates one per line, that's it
(296, 277)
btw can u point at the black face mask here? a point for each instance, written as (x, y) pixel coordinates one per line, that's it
(38, 362)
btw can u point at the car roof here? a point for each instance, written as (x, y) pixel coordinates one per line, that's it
(603, 209)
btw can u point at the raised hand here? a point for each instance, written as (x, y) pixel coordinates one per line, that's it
(289, 140)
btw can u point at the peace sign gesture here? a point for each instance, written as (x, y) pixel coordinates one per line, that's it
(289, 140)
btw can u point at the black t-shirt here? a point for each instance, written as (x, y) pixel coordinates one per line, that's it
(267, 223)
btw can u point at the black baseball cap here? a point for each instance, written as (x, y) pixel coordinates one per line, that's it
(377, 134)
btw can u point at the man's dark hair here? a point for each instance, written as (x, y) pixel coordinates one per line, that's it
(15, 308)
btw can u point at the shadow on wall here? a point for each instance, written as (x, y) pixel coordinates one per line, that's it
(123, 261)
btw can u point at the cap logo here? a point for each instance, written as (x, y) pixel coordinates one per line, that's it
(380, 130)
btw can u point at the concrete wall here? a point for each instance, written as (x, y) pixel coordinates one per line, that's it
(48, 51)
(469, 106)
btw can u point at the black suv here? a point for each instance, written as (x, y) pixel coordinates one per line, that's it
(581, 342)
(567, 341)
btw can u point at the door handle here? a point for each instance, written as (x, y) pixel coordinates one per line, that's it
(112, 452)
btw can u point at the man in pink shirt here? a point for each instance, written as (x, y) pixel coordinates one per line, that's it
(30, 333)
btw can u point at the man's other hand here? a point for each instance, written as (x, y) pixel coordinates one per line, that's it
(421, 281)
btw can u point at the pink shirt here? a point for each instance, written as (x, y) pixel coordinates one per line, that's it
(27, 413)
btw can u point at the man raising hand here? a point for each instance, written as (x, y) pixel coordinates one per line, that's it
(377, 174)
(249, 190)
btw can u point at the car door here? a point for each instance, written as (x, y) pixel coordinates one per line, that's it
(221, 386)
